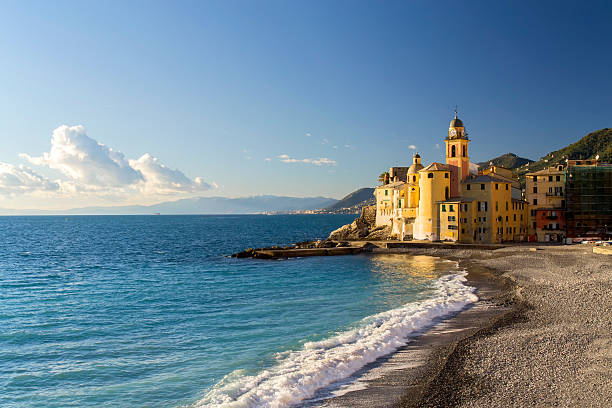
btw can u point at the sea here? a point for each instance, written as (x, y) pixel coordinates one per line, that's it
(151, 311)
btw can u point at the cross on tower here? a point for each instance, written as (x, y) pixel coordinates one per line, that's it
(456, 111)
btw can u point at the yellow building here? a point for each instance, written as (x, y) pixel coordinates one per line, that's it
(450, 201)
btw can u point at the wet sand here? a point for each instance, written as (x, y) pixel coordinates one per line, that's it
(541, 335)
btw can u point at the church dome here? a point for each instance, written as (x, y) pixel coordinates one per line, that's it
(414, 169)
(456, 122)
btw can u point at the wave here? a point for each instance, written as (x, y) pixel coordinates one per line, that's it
(299, 374)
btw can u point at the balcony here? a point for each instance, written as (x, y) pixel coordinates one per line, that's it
(552, 217)
(555, 194)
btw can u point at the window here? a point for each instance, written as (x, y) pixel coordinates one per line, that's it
(484, 219)
(506, 206)
(453, 151)
(386, 192)
(535, 190)
(535, 201)
(506, 218)
(549, 178)
(533, 213)
(399, 204)
(496, 206)
(506, 186)
(514, 217)
(414, 178)
(429, 175)
(482, 186)
(446, 193)
(463, 229)
(443, 207)
(451, 208)
(558, 178)
(534, 224)
(451, 218)
(468, 186)
(496, 186)
(445, 175)
(463, 151)
(453, 227)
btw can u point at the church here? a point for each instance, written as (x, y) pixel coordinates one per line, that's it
(453, 201)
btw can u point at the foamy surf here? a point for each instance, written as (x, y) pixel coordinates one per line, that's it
(299, 374)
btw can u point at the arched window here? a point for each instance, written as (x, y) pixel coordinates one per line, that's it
(453, 151)
(446, 193)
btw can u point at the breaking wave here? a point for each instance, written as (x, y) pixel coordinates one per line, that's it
(299, 374)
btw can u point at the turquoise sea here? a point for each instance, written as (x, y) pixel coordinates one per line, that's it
(149, 311)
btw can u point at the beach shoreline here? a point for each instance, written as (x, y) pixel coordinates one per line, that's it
(543, 320)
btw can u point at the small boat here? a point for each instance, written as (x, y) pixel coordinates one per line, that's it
(155, 213)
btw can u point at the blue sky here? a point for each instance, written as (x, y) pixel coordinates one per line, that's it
(197, 95)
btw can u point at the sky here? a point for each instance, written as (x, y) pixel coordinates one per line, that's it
(139, 102)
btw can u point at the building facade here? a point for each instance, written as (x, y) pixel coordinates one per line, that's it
(449, 201)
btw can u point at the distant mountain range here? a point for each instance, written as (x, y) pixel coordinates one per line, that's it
(200, 205)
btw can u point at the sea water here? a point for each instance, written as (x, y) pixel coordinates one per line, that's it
(149, 311)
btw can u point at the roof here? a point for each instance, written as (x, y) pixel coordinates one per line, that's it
(415, 168)
(392, 185)
(549, 170)
(435, 166)
(456, 122)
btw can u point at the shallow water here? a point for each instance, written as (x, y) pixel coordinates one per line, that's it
(135, 311)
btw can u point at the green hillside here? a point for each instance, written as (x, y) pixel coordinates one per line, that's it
(508, 160)
(591, 145)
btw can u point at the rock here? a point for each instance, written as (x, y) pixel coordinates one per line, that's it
(324, 244)
(247, 253)
(342, 244)
(381, 233)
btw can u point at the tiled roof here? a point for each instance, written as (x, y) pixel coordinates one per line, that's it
(435, 166)
(392, 185)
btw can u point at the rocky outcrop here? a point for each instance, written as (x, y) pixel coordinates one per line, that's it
(363, 228)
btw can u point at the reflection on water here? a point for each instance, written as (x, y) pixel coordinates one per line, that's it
(397, 273)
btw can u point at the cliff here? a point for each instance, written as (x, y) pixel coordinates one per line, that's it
(363, 228)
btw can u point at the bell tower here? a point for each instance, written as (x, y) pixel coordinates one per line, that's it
(457, 157)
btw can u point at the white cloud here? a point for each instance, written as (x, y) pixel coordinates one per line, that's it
(325, 141)
(21, 179)
(95, 168)
(437, 145)
(85, 160)
(348, 146)
(317, 162)
(308, 134)
(335, 147)
(412, 147)
(160, 179)
(267, 159)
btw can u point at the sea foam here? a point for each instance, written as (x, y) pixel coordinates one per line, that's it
(299, 374)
